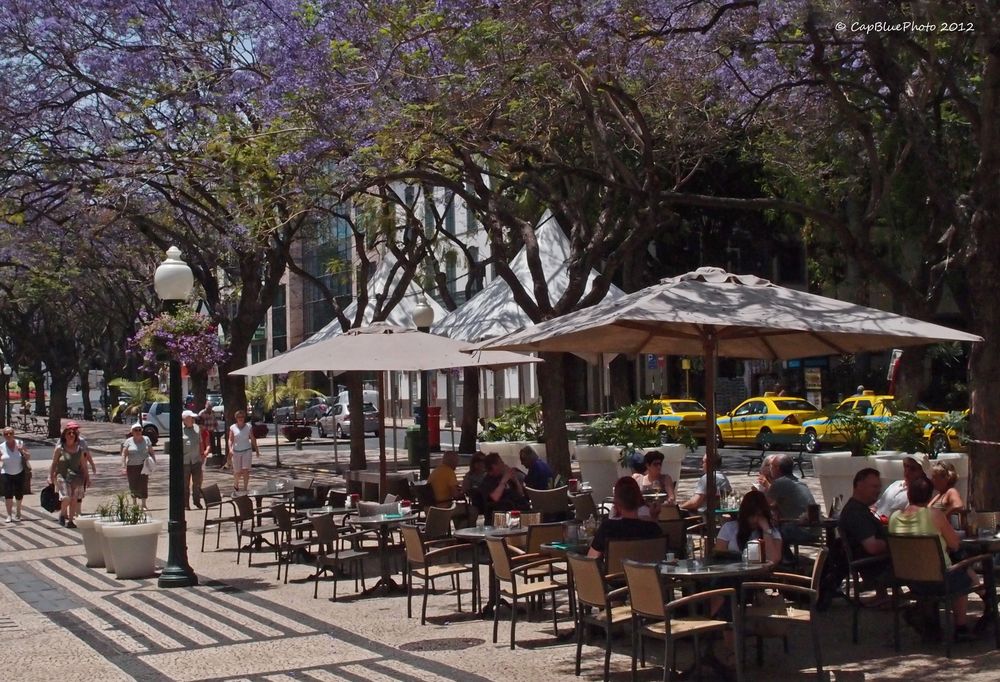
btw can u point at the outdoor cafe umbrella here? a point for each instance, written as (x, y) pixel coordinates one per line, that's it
(382, 347)
(713, 313)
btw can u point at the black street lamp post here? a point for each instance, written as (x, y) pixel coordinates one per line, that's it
(423, 318)
(173, 282)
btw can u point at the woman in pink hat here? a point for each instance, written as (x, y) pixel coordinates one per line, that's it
(68, 472)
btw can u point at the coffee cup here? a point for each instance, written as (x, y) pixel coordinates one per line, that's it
(574, 485)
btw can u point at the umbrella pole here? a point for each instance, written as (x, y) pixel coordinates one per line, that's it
(393, 400)
(383, 478)
(710, 346)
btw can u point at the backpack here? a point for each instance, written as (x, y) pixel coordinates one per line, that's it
(49, 498)
(835, 571)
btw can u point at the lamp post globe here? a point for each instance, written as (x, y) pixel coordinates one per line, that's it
(423, 318)
(173, 282)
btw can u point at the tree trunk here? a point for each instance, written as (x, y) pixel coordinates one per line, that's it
(234, 395)
(621, 376)
(355, 404)
(88, 409)
(470, 410)
(910, 381)
(551, 389)
(57, 403)
(199, 386)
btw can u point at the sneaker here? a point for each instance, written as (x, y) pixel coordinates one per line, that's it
(17, 517)
(70, 524)
(198, 504)
(8, 519)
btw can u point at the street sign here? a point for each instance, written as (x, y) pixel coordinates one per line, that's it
(893, 363)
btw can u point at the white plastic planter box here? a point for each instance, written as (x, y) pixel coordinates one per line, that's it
(890, 467)
(133, 548)
(836, 472)
(87, 524)
(510, 451)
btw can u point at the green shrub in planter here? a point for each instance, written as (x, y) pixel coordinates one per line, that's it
(860, 434)
(904, 432)
(625, 428)
(516, 423)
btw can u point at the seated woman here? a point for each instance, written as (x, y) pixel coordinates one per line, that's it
(654, 480)
(754, 522)
(945, 497)
(919, 519)
(624, 523)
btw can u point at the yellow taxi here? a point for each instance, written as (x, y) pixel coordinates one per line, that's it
(755, 417)
(876, 408)
(666, 415)
(945, 434)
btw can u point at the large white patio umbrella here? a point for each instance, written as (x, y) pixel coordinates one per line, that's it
(713, 313)
(382, 347)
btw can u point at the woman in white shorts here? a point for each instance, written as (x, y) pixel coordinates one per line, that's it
(242, 445)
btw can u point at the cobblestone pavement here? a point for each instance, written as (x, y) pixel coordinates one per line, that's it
(62, 621)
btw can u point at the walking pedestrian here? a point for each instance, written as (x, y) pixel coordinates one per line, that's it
(68, 472)
(136, 451)
(195, 453)
(242, 446)
(13, 464)
(209, 422)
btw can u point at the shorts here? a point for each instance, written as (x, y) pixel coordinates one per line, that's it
(68, 490)
(13, 484)
(241, 459)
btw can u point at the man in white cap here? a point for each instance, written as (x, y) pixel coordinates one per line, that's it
(894, 496)
(194, 458)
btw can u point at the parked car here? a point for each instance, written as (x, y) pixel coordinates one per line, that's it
(878, 409)
(338, 420)
(286, 410)
(947, 434)
(667, 414)
(314, 412)
(768, 413)
(213, 398)
(156, 420)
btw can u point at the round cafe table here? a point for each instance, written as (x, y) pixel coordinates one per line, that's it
(383, 522)
(476, 536)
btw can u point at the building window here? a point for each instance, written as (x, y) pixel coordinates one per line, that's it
(449, 212)
(409, 195)
(470, 216)
(279, 321)
(476, 277)
(451, 271)
(327, 255)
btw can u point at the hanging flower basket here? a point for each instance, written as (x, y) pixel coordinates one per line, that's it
(186, 336)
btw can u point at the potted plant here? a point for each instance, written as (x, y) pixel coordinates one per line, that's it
(293, 433)
(836, 470)
(131, 538)
(89, 527)
(609, 442)
(511, 430)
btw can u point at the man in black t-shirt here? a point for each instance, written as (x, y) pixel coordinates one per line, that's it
(501, 489)
(625, 524)
(860, 528)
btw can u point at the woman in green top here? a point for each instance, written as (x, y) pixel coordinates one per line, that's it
(69, 472)
(919, 519)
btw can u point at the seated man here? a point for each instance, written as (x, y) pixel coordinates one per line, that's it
(539, 474)
(790, 498)
(698, 501)
(624, 523)
(894, 497)
(444, 482)
(862, 531)
(501, 488)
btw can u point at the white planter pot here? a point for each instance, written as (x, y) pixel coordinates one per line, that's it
(510, 451)
(599, 467)
(133, 548)
(836, 475)
(673, 458)
(109, 560)
(87, 525)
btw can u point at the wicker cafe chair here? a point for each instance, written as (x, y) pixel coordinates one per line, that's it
(256, 533)
(289, 546)
(775, 616)
(855, 587)
(422, 563)
(918, 562)
(335, 552)
(594, 605)
(653, 616)
(552, 504)
(649, 550)
(214, 503)
(584, 507)
(438, 523)
(510, 583)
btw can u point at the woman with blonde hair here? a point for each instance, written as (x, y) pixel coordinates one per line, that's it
(946, 497)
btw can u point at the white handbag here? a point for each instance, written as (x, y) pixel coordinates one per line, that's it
(148, 466)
